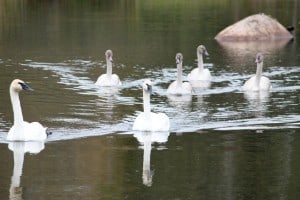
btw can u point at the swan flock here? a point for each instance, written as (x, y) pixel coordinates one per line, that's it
(146, 120)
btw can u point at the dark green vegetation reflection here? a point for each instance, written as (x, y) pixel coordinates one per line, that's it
(222, 144)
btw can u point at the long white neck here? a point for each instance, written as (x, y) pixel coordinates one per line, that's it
(146, 100)
(179, 74)
(258, 73)
(108, 68)
(200, 61)
(16, 105)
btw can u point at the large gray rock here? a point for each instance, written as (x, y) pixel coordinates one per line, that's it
(255, 28)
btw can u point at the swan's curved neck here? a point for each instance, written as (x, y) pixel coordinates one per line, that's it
(146, 101)
(179, 74)
(108, 68)
(200, 61)
(258, 73)
(16, 105)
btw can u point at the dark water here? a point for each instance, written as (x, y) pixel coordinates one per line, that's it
(223, 144)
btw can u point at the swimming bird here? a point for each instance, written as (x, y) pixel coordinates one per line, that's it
(22, 130)
(178, 86)
(200, 73)
(147, 120)
(258, 82)
(108, 79)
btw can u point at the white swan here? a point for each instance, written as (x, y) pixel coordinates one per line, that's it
(200, 73)
(178, 86)
(108, 79)
(258, 82)
(22, 130)
(147, 120)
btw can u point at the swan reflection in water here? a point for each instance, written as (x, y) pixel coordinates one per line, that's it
(180, 101)
(200, 85)
(146, 139)
(257, 101)
(19, 150)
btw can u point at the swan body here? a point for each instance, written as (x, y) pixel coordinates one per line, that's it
(22, 130)
(108, 79)
(179, 87)
(200, 73)
(147, 120)
(258, 82)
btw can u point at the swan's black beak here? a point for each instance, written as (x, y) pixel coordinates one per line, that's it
(206, 53)
(149, 88)
(110, 59)
(258, 60)
(26, 87)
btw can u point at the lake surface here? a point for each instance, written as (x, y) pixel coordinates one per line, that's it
(223, 143)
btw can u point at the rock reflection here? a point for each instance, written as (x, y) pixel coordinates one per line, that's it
(241, 51)
(19, 149)
(146, 139)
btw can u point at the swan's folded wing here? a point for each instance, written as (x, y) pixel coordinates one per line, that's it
(140, 123)
(35, 131)
(265, 83)
(160, 122)
(116, 80)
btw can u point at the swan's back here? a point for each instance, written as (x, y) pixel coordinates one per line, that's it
(105, 80)
(185, 88)
(160, 122)
(197, 75)
(152, 122)
(264, 84)
(33, 131)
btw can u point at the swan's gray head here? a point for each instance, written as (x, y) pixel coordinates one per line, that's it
(147, 86)
(109, 55)
(18, 85)
(259, 58)
(179, 58)
(202, 50)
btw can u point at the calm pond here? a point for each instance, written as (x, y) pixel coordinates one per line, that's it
(223, 143)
